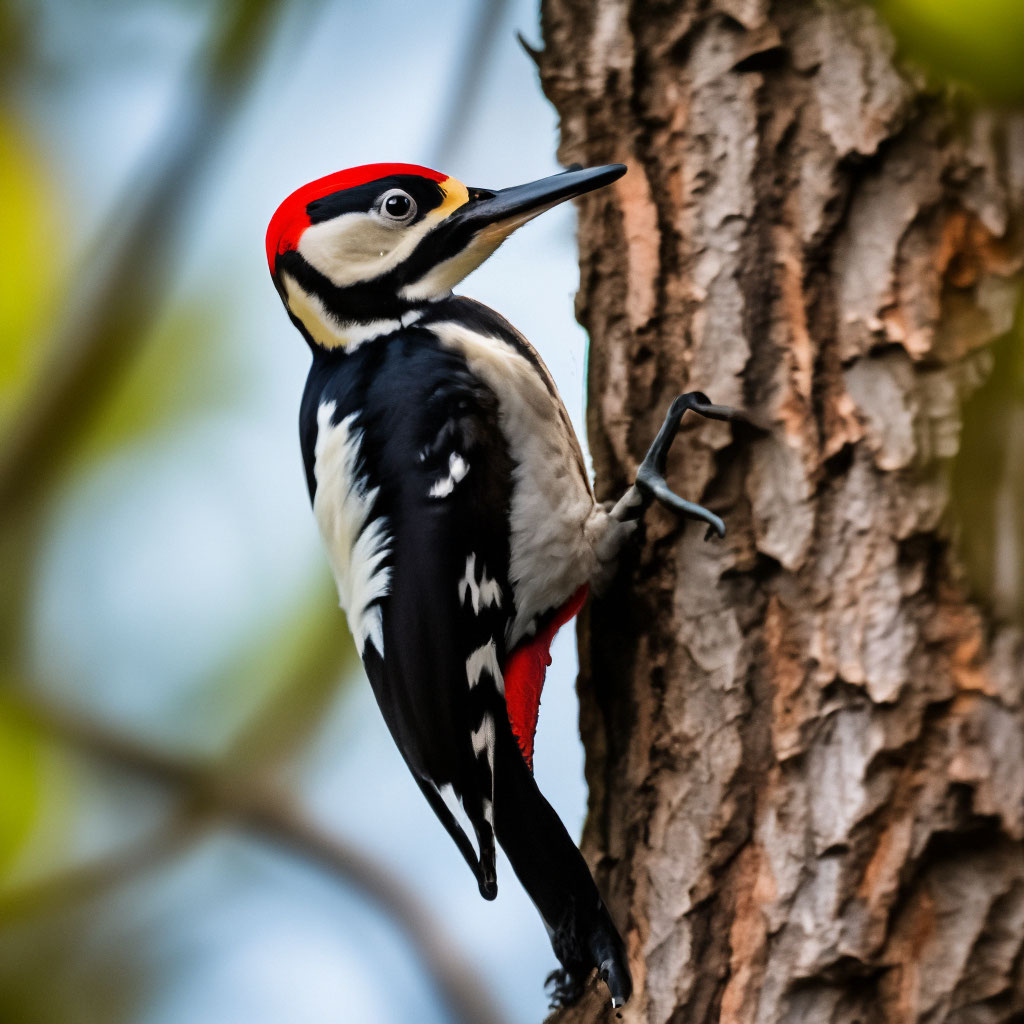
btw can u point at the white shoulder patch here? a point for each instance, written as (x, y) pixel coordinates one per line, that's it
(356, 545)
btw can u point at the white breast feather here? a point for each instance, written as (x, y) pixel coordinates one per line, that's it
(555, 520)
(343, 505)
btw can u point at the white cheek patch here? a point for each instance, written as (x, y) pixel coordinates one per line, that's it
(354, 247)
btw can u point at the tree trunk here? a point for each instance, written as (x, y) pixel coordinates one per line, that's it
(805, 743)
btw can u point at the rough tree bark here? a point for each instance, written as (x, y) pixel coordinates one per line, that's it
(805, 744)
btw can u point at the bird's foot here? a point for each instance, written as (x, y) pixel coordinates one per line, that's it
(583, 946)
(564, 988)
(650, 477)
(616, 976)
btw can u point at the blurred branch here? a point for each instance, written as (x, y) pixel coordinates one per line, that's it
(467, 82)
(89, 881)
(456, 979)
(320, 657)
(134, 256)
(212, 791)
(140, 758)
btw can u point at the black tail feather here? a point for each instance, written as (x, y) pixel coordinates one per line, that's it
(554, 873)
(483, 871)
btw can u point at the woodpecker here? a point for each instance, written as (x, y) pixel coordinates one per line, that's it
(455, 507)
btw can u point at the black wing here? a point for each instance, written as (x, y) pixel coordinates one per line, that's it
(435, 463)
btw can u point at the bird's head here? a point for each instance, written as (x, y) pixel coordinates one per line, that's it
(371, 244)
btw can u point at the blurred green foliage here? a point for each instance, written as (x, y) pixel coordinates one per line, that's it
(279, 684)
(29, 284)
(978, 44)
(179, 371)
(21, 771)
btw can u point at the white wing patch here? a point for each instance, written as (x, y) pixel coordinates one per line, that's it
(483, 594)
(457, 469)
(483, 739)
(455, 805)
(356, 546)
(485, 659)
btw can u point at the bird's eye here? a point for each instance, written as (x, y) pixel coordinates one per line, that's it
(397, 206)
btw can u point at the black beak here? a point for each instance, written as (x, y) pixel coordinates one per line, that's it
(523, 202)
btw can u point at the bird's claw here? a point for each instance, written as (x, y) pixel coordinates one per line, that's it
(650, 477)
(619, 987)
(652, 485)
